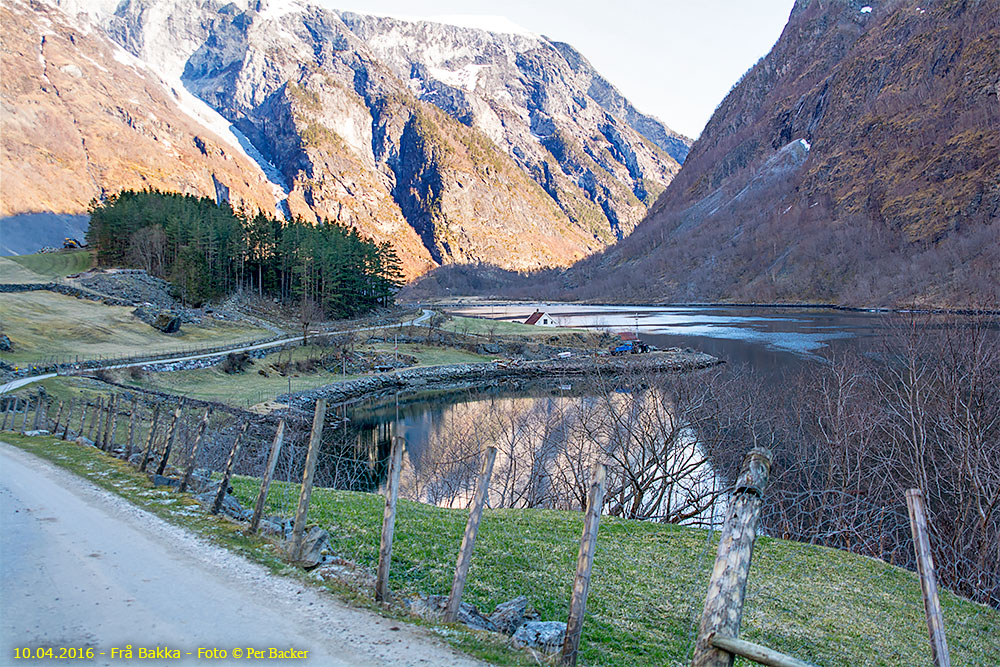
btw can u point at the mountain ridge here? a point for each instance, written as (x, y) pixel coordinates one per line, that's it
(454, 156)
(857, 163)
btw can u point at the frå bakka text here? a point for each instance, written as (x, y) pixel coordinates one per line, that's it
(238, 653)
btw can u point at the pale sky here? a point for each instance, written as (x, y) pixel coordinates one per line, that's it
(674, 60)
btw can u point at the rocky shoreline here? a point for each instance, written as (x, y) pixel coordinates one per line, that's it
(456, 376)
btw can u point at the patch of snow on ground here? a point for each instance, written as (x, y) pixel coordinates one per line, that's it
(805, 144)
(464, 78)
(866, 10)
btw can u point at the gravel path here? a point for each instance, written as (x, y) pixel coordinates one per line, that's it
(81, 567)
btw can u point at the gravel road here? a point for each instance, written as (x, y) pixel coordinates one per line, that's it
(81, 567)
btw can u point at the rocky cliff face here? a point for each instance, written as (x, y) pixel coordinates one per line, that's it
(80, 118)
(455, 144)
(859, 162)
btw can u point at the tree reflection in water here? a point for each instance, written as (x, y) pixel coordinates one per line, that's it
(547, 435)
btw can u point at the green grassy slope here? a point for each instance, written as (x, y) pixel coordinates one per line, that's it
(826, 606)
(44, 267)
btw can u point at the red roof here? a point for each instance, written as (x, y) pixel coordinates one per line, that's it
(534, 317)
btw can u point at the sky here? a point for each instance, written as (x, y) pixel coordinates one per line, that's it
(674, 60)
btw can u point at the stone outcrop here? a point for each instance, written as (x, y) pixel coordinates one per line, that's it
(547, 636)
(481, 374)
(167, 322)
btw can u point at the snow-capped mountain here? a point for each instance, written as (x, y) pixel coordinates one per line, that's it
(455, 143)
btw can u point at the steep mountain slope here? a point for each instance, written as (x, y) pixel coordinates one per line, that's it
(81, 118)
(455, 144)
(858, 162)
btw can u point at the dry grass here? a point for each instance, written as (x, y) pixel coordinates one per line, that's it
(45, 324)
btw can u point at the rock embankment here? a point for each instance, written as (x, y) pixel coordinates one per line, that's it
(461, 375)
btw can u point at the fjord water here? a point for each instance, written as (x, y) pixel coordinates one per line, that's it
(770, 340)
(767, 338)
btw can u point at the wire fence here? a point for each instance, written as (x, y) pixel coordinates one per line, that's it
(847, 595)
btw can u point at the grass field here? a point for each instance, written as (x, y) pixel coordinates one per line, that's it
(826, 606)
(250, 388)
(44, 324)
(44, 268)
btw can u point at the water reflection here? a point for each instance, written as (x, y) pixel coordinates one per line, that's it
(547, 439)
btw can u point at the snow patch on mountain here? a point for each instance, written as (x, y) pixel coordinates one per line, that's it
(464, 78)
(199, 111)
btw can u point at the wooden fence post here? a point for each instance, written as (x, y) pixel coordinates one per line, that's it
(928, 580)
(584, 563)
(727, 588)
(131, 428)
(315, 440)
(169, 443)
(83, 417)
(265, 482)
(24, 417)
(148, 452)
(6, 414)
(228, 472)
(110, 424)
(39, 410)
(59, 412)
(95, 419)
(69, 418)
(114, 425)
(193, 461)
(388, 521)
(469, 538)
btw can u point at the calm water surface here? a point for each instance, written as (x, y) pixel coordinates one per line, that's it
(771, 340)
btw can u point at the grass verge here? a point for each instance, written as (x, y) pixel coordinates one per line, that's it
(826, 606)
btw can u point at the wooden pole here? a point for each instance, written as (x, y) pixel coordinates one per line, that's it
(95, 419)
(169, 441)
(112, 424)
(265, 482)
(39, 409)
(928, 579)
(55, 426)
(727, 588)
(759, 654)
(83, 417)
(149, 439)
(315, 440)
(193, 460)
(469, 538)
(6, 414)
(388, 522)
(584, 563)
(69, 417)
(131, 428)
(24, 417)
(228, 472)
